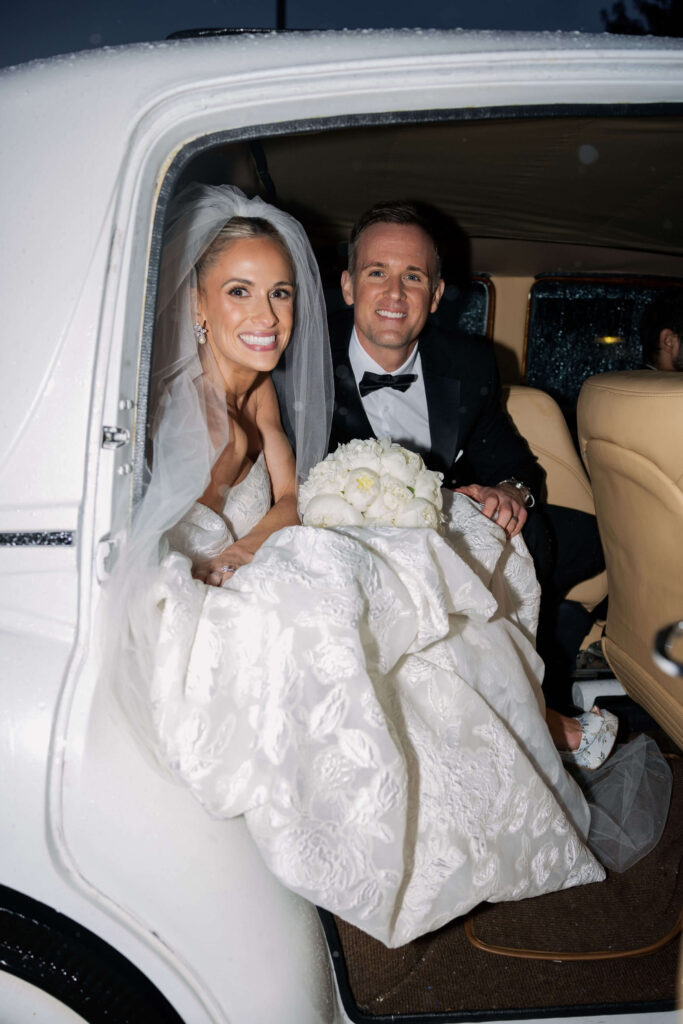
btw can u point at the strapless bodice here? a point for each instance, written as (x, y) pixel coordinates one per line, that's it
(202, 533)
(248, 501)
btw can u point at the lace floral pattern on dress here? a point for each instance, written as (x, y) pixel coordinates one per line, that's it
(370, 700)
(248, 501)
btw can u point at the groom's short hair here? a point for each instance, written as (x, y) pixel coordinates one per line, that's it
(400, 212)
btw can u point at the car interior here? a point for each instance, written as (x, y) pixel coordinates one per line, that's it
(560, 226)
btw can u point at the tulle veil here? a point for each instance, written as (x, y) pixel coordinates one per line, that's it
(189, 424)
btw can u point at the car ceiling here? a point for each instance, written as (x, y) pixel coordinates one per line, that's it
(529, 192)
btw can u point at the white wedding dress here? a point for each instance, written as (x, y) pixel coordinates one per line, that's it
(369, 699)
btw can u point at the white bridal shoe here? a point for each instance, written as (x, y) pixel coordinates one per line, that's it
(598, 734)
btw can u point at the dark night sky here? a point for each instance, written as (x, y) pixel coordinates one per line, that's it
(41, 28)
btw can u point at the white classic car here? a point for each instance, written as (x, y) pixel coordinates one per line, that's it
(560, 155)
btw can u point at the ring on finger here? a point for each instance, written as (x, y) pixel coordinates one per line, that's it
(228, 568)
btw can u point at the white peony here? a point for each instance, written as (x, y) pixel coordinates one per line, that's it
(418, 512)
(327, 477)
(361, 487)
(360, 455)
(395, 493)
(326, 469)
(378, 514)
(428, 486)
(402, 464)
(373, 483)
(330, 510)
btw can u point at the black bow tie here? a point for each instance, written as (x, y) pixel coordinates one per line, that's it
(374, 381)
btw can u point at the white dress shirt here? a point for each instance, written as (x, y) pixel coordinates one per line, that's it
(400, 415)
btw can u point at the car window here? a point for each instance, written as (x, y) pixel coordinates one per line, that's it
(579, 326)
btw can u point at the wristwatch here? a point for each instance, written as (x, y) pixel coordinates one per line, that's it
(527, 497)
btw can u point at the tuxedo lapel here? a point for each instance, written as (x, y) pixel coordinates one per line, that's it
(350, 419)
(349, 412)
(443, 403)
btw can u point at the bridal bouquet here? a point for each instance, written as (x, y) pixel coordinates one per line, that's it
(371, 483)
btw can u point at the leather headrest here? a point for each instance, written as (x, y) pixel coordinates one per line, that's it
(640, 410)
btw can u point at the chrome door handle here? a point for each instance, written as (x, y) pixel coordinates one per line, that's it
(115, 437)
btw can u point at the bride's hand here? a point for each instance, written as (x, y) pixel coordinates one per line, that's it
(215, 571)
(499, 503)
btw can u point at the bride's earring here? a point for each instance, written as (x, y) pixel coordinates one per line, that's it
(200, 332)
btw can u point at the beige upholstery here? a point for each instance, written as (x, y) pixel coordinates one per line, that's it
(538, 418)
(631, 434)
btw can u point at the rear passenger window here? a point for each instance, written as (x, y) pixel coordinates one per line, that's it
(467, 309)
(580, 326)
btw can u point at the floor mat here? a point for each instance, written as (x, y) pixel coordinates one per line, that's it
(443, 973)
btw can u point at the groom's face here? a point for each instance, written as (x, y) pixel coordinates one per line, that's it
(392, 290)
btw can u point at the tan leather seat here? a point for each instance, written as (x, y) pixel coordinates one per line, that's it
(631, 435)
(539, 419)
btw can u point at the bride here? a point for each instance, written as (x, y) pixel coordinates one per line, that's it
(369, 699)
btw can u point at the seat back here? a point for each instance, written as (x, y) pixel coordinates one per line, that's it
(631, 435)
(539, 419)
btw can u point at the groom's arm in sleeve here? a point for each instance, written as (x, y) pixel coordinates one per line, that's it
(494, 451)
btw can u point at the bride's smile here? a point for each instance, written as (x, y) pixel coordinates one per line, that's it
(245, 300)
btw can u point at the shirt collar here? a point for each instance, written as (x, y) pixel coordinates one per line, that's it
(361, 360)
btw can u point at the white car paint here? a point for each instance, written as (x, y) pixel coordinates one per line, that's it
(90, 825)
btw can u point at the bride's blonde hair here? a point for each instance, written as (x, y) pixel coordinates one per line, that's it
(234, 230)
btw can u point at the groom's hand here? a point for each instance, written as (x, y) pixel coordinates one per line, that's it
(500, 503)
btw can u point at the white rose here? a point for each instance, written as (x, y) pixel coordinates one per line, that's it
(361, 488)
(418, 512)
(401, 464)
(330, 510)
(428, 486)
(395, 493)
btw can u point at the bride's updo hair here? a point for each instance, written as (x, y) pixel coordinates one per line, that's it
(236, 229)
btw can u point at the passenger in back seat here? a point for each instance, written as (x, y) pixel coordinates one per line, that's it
(439, 394)
(661, 330)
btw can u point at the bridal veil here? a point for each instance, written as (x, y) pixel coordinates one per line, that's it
(188, 422)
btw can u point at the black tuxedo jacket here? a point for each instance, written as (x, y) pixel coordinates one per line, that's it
(463, 404)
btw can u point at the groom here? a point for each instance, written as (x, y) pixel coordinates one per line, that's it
(439, 394)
